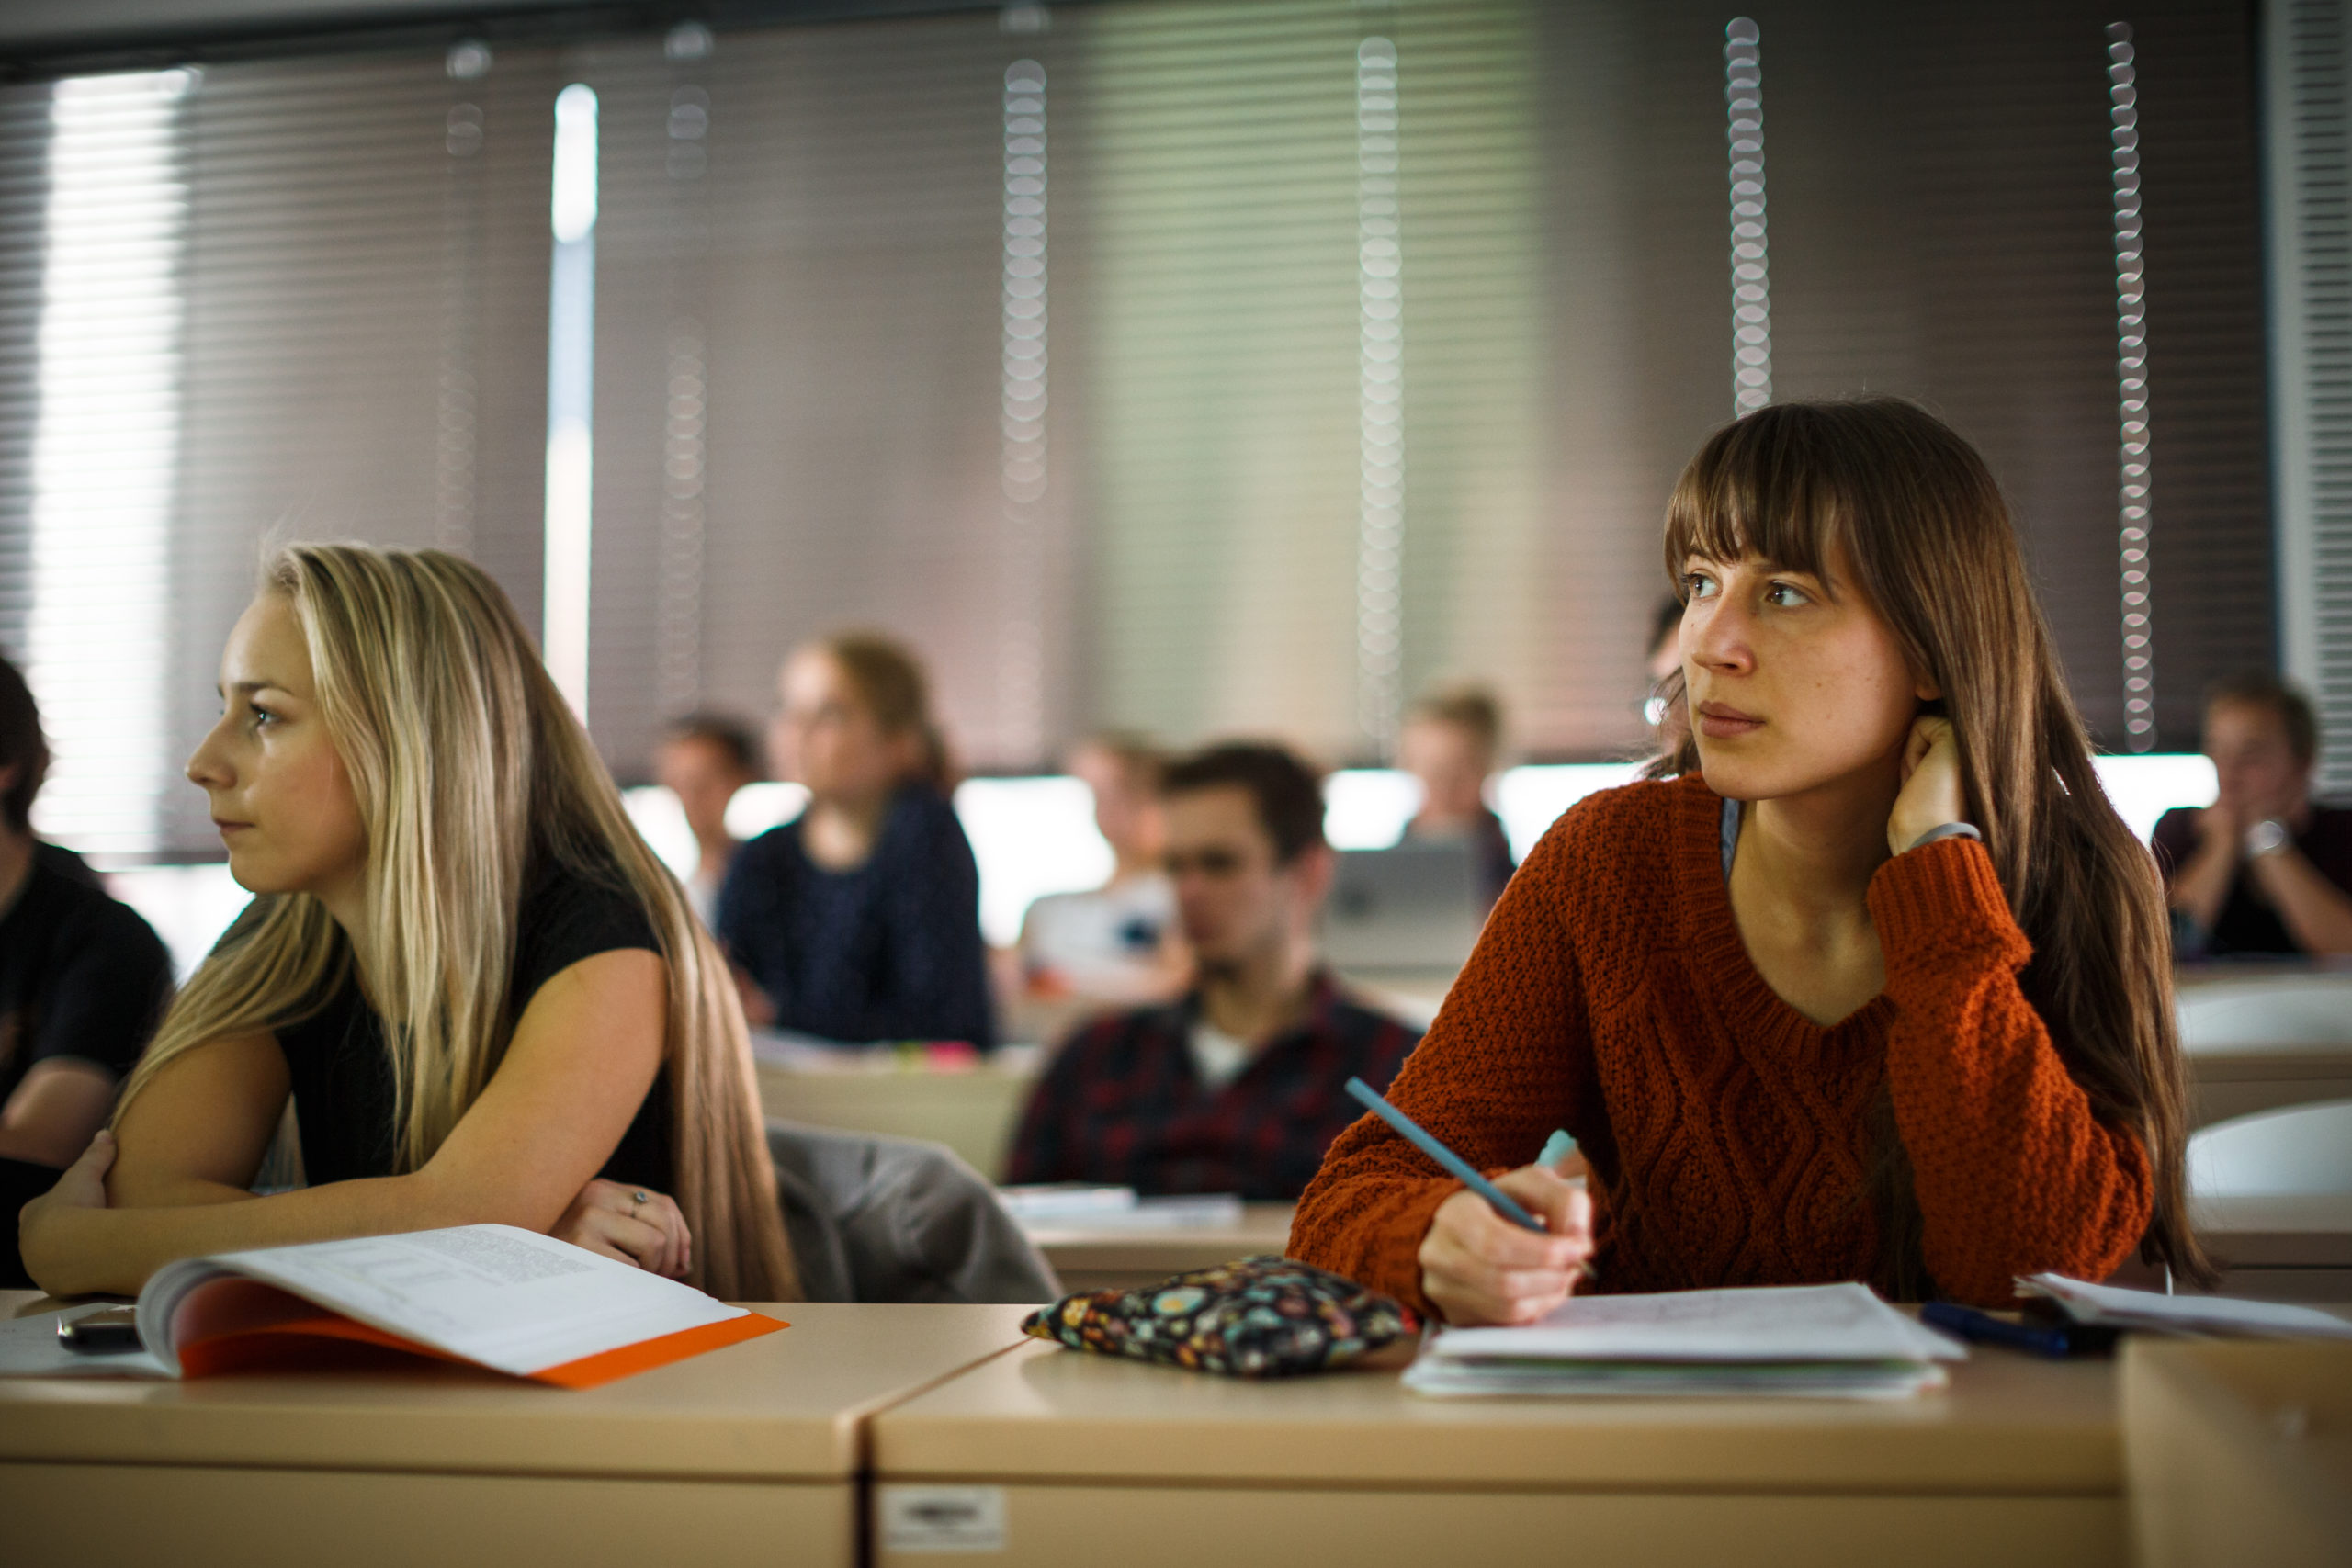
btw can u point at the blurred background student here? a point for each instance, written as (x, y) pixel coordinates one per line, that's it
(2264, 869)
(82, 980)
(1115, 944)
(1451, 742)
(859, 920)
(1663, 708)
(704, 760)
(1239, 1086)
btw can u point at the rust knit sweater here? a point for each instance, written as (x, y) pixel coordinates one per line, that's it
(1611, 995)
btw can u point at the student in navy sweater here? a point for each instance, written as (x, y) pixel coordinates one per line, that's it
(859, 921)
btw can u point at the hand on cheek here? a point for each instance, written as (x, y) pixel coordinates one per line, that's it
(1932, 794)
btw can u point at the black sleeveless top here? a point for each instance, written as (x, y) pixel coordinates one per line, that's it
(343, 1071)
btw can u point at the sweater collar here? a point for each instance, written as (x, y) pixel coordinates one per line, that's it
(1704, 830)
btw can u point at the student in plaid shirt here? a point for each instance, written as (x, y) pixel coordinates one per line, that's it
(1237, 1087)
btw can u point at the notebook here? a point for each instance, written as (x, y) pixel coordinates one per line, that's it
(1814, 1342)
(494, 1296)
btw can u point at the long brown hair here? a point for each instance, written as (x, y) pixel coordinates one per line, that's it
(469, 766)
(1932, 549)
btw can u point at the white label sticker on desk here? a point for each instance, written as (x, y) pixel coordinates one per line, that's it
(943, 1519)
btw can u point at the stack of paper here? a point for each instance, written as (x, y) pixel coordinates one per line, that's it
(1814, 1342)
(1048, 1202)
(2119, 1308)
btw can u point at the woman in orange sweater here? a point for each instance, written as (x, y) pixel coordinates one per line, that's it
(1867, 981)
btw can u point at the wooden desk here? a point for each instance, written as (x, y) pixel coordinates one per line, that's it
(750, 1454)
(1110, 1259)
(1088, 1460)
(973, 1112)
(2281, 1248)
(2238, 1453)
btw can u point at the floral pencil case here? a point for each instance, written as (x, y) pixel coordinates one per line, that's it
(1255, 1317)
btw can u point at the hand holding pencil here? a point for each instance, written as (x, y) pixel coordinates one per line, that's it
(1505, 1251)
(1479, 1267)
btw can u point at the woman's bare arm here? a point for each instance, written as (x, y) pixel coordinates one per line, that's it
(199, 1133)
(583, 1055)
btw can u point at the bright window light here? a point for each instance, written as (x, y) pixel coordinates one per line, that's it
(1380, 394)
(1021, 476)
(1367, 808)
(2145, 786)
(1031, 837)
(572, 367)
(105, 456)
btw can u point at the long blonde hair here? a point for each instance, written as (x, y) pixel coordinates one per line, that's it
(468, 767)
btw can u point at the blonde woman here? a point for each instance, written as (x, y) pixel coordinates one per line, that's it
(860, 920)
(483, 994)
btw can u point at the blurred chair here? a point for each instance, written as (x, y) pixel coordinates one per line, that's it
(2304, 1150)
(876, 1219)
(2265, 1013)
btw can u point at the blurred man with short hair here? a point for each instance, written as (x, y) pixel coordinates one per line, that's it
(1239, 1086)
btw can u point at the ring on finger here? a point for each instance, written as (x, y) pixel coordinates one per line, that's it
(638, 1200)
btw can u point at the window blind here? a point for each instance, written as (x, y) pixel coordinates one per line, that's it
(1943, 228)
(2309, 134)
(1194, 365)
(275, 300)
(800, 379)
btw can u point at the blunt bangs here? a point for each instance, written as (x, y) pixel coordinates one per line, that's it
(1771, 487)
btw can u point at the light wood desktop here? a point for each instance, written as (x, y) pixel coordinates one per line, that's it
(750, 1454)
(1108, 1257)
(2238, 1453)
(1088, 1458)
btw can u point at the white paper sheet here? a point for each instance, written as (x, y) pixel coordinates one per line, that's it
(2086, 1302)
(1787, 1323)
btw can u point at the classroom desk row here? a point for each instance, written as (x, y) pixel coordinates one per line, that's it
(897, 1435)
(2277, 1249)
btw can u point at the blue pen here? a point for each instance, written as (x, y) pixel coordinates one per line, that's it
(1986, 1329)
(1452, 1164)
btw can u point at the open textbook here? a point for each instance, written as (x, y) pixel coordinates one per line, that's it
(492, 1295)
(1816, 1341)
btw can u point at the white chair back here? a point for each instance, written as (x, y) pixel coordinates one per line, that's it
(2281, 1010)
(2304, 1149)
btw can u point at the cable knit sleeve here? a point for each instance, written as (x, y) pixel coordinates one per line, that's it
(2013, 1171)
(1507, 1060)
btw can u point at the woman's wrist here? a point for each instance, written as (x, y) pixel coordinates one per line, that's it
(1942, 830)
